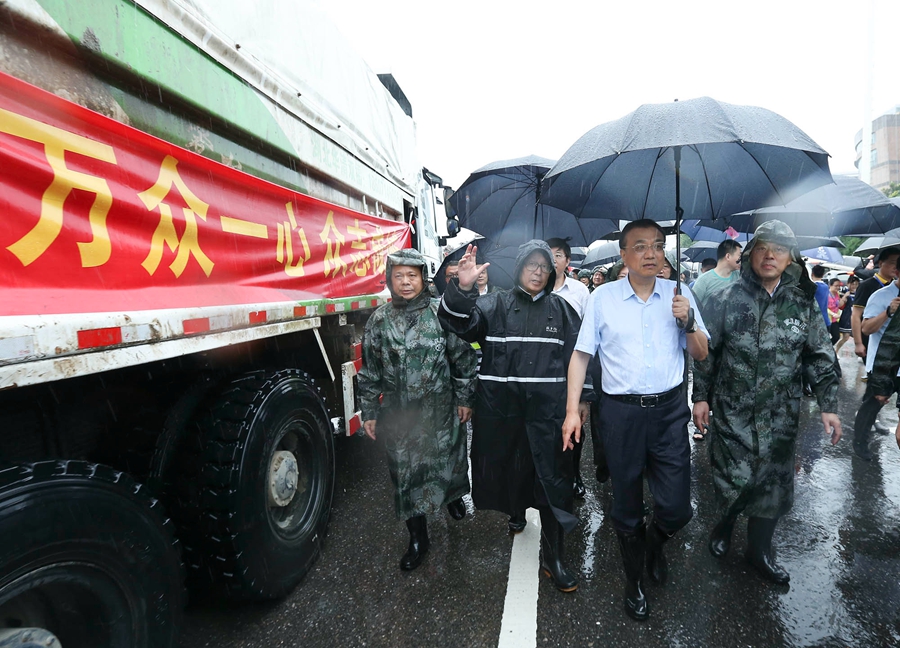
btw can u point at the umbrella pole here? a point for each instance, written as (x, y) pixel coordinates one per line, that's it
(679, 212)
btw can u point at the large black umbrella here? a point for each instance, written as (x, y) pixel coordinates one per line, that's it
(700, 250)
(699, 159)
(500, 202)
(847, 207)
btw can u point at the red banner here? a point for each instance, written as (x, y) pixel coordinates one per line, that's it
(96, 216)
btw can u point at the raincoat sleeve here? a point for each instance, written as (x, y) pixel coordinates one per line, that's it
(369, 378)
(818, 355)
(881, 382)
(462, 370)
(459, 313)
(705, 370)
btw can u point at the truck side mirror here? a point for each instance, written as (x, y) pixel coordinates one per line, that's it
(452, 227)
(448, 208)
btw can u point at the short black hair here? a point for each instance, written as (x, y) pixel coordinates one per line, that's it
(887, 252)
(638, 224)
(560, 243)
(834, 281)
(708, 263)
(818, 271)
(727, 247)
(851, 279)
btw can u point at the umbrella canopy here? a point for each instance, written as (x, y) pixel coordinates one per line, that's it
(697, 159)
(700, 250)
(603, 253)
(732, 158)
(824, 254)
(500, 202)
(846, 207)
(875, 243)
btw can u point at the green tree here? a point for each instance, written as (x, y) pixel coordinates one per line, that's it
(892, 190)
(850, 244)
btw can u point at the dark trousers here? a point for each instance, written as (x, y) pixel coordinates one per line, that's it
(597, 435)
(652, 441)
(867, 413)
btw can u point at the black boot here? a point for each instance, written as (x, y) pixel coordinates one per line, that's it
(759, 549)
(457, 509)
(553, 553)
(657, 566)
(633, 548)
(720, 538)
(517, 522)
(418, 543)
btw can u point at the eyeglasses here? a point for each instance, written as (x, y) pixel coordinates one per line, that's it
(777, 250)
(531, 266)
(640, 248)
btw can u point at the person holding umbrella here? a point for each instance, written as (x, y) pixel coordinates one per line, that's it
(527, 334)
(764, 329)
(640, 325)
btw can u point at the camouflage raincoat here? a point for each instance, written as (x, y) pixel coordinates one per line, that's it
(423, 374)
(751, 380)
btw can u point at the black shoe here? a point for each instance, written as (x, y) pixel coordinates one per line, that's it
(602, 473)
(457, 509)
(517, 522)
(578, 491)
(418, 543)
(759, 550)
(862, 450)
(720, 538)
(657, 566)
(553, 554)
(633, 547)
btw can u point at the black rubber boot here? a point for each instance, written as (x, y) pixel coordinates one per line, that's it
(418, 543)
(553, 553)
(657, 567)
(457, 509)
(759, 550)
(633, 546)
(578, 490)
(517, 522)
(720, 538)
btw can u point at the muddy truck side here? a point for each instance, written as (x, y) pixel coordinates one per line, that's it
(196, 201)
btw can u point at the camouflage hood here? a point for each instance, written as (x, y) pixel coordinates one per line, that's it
(406, 257)
(776, 231)
(525, 251)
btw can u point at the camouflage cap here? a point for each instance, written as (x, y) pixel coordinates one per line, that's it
(775, 231)
(407, 257)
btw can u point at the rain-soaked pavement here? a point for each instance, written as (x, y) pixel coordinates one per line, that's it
(840, 543)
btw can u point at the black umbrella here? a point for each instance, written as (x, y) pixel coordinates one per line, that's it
(700, 250)
(847, 207)
(699, 159)
(500, 202)
(603, 253)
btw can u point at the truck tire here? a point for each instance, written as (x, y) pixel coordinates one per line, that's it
(87, 555)
(261, 499)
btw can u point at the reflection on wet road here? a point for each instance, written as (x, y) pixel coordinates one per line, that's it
(840, 543)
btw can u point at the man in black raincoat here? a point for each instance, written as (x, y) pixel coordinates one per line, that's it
(527, 335)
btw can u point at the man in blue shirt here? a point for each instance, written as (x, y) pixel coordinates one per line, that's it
(641, 327)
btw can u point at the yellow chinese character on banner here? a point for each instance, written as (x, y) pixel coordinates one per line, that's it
(57, 143)
(165, 232)
(378, 251)
(333, 261)
(285, 252)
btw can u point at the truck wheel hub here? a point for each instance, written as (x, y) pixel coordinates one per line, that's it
(283, 474)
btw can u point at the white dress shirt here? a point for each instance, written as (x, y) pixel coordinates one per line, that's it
(576, 293)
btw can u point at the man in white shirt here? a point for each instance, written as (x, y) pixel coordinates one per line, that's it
(577, 295)
(644, 412)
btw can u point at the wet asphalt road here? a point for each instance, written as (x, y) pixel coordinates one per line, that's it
(840, 543)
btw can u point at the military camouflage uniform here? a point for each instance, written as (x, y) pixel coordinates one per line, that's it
(883, 380)
(751, 380)
(423, 373)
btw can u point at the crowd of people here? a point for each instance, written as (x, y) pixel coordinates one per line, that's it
(606, 352)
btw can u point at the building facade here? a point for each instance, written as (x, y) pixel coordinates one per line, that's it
(884, 149)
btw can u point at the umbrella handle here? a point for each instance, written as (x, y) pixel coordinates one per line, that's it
(690, 320)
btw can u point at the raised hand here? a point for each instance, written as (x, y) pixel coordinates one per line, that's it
(469, 269)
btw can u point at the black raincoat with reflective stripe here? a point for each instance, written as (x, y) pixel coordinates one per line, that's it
(520, 399)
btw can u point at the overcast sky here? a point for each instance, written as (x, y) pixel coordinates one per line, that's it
(497, 79)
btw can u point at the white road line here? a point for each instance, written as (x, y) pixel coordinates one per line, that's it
(518, 629)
